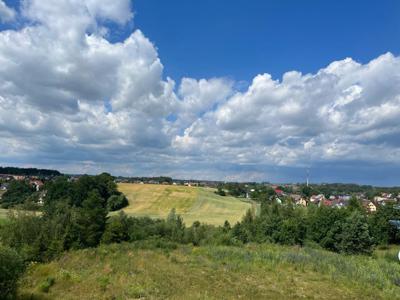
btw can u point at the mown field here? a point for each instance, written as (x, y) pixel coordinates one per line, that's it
(192, 203)
(134, 271)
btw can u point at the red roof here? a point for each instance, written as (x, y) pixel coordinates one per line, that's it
(278, 191)
(327, 202)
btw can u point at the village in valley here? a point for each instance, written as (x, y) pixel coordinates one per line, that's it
(339, 201)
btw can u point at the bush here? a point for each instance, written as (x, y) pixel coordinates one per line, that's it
(23, 232)
(355, 237)
(220, 192)
(117, 229)
(11, 267)
(47, 284)
(116, 202)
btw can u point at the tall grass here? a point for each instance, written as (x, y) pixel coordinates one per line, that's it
(380, 271)
(163, 271)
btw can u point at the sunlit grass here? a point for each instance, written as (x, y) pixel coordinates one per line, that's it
(192, 203)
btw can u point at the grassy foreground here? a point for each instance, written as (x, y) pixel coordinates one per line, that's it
(130, 271)
(192, 203)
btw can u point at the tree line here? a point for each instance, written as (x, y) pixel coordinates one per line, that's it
(29, 171)
(348, 230)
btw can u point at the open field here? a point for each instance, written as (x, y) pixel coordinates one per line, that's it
(192, 203)
(132, 271)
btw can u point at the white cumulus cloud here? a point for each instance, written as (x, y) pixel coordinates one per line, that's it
(72, 99)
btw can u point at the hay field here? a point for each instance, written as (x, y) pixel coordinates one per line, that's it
(192, 203)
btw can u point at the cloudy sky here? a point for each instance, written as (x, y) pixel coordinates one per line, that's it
(197, 89)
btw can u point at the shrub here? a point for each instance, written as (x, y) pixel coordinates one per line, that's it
(355, 237)
(220, 192)
(47, 284)
(11, 267)
(117, 229)
(23, 232)
(116, 202)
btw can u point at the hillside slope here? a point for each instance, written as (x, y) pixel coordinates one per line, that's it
(192, 203)
(129, 271)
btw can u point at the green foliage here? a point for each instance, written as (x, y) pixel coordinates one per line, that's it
(47, 284)
(355, 204)
(159, 179)
(90, 221)
(350, 189)
(59, 190)
(23, 232)
(122, 228)
(17, 193)
(116, 202)
(226, 227)
(245, 231)
(76, 192)
(174, 227)
(381, 231)
(234, 189)
(306, 191)
(262, 193)
(281, 224)
(117, 229)
(322, 223)
(220, 191)
(28, 171)
(354, 236)
(74, 216)
(11, 268)
(203, 234)
(341, 230)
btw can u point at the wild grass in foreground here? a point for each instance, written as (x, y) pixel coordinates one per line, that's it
(141, 270)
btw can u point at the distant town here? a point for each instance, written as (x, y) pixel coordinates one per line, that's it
(301, 194)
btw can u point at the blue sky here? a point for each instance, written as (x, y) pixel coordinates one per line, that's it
(238, 39)
(226, 90)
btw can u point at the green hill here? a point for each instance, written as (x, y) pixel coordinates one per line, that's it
(133, 271)
(192, 203)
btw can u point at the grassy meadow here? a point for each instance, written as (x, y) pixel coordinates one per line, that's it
(135, 271)
(192, 203)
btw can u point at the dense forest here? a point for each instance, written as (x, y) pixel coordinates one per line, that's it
(28, 171)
